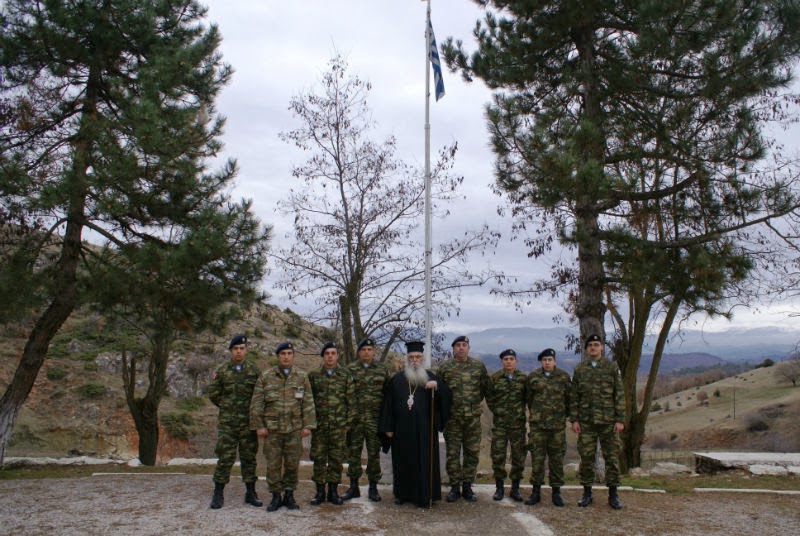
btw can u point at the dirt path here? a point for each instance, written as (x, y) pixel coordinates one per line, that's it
(143, 504)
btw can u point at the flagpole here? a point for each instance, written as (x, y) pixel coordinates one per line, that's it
(427, 354)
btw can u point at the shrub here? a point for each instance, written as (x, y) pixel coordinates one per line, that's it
(655, 407)
(91, 390)
(755, 423)
(56, 373)
(717, 394)
(673, 436)
(190, 403)
(177, 425)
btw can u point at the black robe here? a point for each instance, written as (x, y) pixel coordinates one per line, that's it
(412, 441)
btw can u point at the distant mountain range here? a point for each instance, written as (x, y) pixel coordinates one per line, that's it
(687, 349)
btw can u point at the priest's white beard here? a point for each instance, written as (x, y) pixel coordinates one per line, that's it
(416, 375)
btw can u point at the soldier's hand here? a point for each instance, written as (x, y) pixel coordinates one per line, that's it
(262, 432)
(389, 434)
(618, 427)
(576, 427)
(305, 432)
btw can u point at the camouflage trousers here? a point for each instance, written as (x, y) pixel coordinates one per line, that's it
(282, 452)
(462, 435)
(587, 448)
(504, 437)
(328, 450)
(364, 432)
(229, 441)
(550, 444)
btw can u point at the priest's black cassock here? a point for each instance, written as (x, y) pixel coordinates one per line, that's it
(412, 441)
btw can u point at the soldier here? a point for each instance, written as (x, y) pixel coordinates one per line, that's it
(282, 413)
(597, 411)
(506, 398)
(548, 405)
(369, 379)
(332, 387)
(468, 380)
(230, 390)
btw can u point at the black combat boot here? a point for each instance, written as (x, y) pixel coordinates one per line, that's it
(613, 498)
(455, 493)
(218, 499)
(250, 496)
(557, 500)
(536, 495)
(353, 491)
(514, 493)
(288, 500)
(373, 492)
(467, 493)
(498, 492)
(319, 498)
(586, 500)
(333, 494)
(275, 503)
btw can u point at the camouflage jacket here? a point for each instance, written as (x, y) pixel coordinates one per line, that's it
(332, 396)
(282, 403)
(597, 396)
(369, 386)
(468, 381)
(548, 398)
(231, 389)
(506, 398)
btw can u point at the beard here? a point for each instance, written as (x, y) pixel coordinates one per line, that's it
(416, 375)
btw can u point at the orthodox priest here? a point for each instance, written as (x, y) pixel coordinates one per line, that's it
(415, 409)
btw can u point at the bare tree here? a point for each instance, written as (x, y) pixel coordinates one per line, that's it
(790, 370)
(357, 219)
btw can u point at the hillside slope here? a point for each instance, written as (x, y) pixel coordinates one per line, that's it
(754, 410)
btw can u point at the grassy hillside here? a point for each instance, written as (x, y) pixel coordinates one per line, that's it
(77, 406)
(755, 410)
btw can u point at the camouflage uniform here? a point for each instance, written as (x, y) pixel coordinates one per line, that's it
(548, 404)
(468, 382)
(332, 394)
(369, 385)
(283, 405)
(506, 398)
(597, 403)
(231, 389)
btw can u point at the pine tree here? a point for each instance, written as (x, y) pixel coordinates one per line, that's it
(632, 131)
(108, 109)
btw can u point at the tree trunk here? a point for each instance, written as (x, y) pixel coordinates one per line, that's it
(348, 346)
(590, 307)
(144, 410)
(633, 438)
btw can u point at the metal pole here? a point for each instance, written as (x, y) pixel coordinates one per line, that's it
(427, 352)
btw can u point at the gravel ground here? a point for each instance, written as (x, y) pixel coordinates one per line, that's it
(156, 504)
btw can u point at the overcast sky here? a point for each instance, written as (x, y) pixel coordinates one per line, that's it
(278, 49)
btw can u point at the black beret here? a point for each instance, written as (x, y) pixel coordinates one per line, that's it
(507, 352)
(591, 338)
(329, 344)
(286, 345)
(460, 338)
(366, 342)
(237, 339)
(415, 346)
(547, 352)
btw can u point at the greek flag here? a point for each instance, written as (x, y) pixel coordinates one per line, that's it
(433, 57)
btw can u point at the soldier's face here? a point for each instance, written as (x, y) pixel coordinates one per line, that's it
(594, 350)
(285, 358)
(238, 352)
(330, 357)
(509, 363)
(415, 359)
(366, 354)
(461, 350)
(548, 363)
